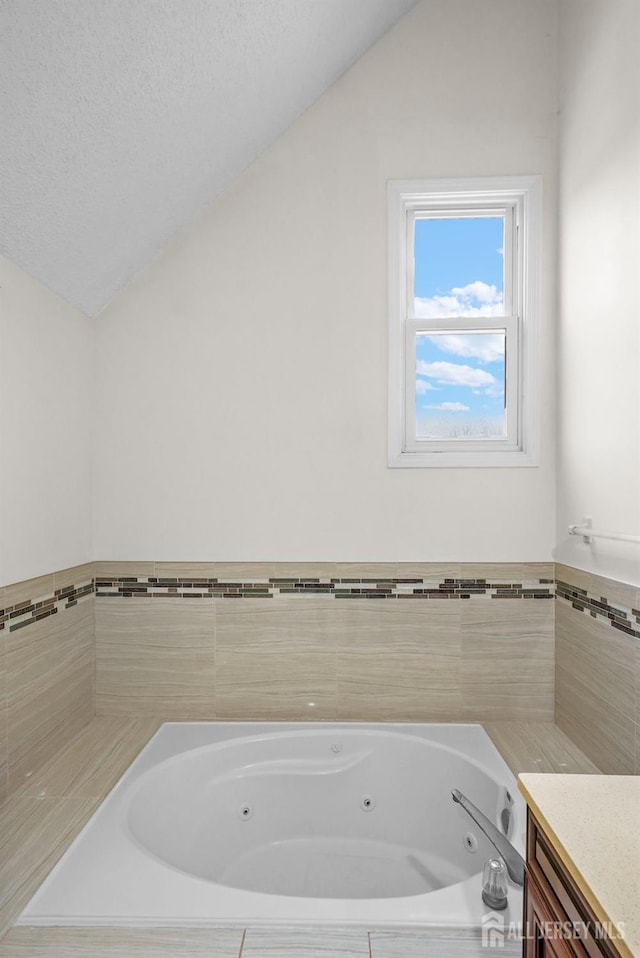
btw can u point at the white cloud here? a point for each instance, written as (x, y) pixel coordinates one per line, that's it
(450, 407)
(456, 374)
(422, 386)
(481, 292)
(474, 299)
(487, 347)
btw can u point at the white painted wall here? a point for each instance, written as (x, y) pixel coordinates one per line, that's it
(241, 380)
(599, 323)
(46, 355)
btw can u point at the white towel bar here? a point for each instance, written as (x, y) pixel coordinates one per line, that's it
(585, 530)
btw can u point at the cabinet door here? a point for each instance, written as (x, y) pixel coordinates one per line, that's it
(555, 894)
(538, 920)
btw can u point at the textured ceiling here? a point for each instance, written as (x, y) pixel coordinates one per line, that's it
(121, 119)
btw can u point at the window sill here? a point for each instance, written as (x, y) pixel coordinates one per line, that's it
(452, 460)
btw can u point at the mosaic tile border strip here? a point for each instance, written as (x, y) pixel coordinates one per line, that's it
(618, 616)
(153, 587)
(30, 611)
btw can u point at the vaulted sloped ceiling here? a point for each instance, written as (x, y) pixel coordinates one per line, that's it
(121, 119)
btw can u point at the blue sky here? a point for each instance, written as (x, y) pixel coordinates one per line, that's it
(458, 271)
(456, 252)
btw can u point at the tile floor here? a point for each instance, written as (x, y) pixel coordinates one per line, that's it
(236, 943)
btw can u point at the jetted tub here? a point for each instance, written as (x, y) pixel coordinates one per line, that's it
(253, 823)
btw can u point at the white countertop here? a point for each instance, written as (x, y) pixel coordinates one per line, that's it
(593, 823)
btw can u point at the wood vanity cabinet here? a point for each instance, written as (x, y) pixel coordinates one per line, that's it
(554, 906)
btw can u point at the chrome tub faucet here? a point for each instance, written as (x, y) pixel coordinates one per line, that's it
(510, 855)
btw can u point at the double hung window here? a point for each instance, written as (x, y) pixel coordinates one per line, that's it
(463, 263)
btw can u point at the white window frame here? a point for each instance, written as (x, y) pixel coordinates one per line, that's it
(518, 198)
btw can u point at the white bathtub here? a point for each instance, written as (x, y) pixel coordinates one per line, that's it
(254, 823)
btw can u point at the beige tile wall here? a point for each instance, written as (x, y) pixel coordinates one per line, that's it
(155, 658)
(508, 571)
(399, 661)
(4, 772)
(317, 658)
(507, 660)
(47, 676)
(50, 670)
(597, 688)
(597, 681)
(276, 659)
(638, 703)
(27, 589)
(597, 585)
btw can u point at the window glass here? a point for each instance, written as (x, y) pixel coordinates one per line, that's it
(460, 385)
(458, 266)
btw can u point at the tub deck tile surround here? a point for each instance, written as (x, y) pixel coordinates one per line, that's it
(39, 822)
(538, 747)
(90, 764)
(34, 833)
